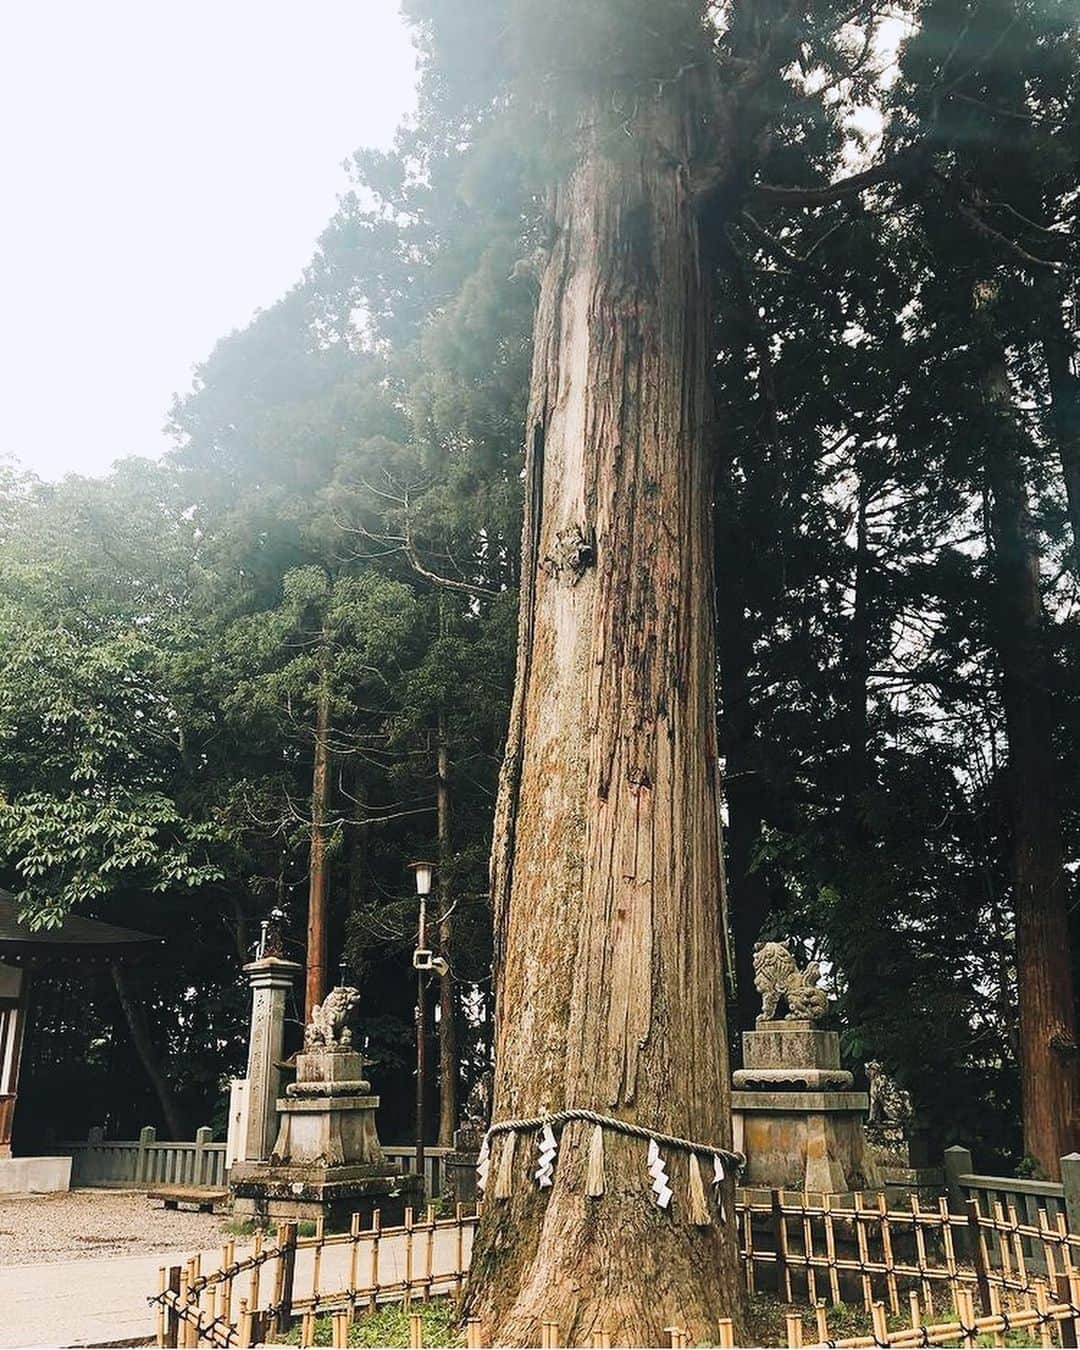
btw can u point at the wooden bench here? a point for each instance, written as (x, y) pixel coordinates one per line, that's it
(202, 1198)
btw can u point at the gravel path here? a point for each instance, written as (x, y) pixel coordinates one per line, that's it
(74, 1225)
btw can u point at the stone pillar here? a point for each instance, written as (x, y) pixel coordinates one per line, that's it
(271, 980)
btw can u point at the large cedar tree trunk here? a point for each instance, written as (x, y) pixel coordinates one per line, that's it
(606, 867)
(319, 864)
(1059, 350)
(1044, 971)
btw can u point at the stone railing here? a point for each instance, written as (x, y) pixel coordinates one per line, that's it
(146, 1161)
(1018, 1199)
(149, 1161)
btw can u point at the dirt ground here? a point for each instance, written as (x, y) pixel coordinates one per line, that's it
(85, 1223)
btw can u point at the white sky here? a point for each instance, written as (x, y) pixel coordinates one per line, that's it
(166, 166)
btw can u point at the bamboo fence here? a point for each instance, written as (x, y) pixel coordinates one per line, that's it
(907, 1267)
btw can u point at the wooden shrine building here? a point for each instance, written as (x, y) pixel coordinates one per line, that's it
(79, 943)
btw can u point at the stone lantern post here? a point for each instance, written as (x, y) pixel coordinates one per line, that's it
(271, 979)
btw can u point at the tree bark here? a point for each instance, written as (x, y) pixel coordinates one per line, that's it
(606, 864)
(1044, 970)
(749, 898)
(448, 1057)
(319, 869)
(1059, 351)
(144, 1048)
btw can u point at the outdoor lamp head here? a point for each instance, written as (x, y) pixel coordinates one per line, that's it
(423, 871)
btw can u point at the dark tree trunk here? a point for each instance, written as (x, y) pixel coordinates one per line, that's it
(1044, 969)
(858, 670)
(1059, 350)
(749, 899)
(319, 865)
(144, 1048)
(606, 864)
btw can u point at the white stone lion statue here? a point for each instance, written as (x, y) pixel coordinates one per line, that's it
(331, 1019)
(778, 980)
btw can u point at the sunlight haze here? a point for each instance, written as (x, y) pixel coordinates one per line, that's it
(167, 170)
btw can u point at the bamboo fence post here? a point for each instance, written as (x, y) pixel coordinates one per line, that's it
(675, 1337)
(794, 1329)
(808, 1249)
(748, 1235)
(459, 1256)
(726, 1333)
(182, 1301)
(601, 1340)
(285, 1277)
(830, 1250)
(995, 1309)
(307, 1328)
(779, 1227)
(159, 1338)
(430, 1252)
(920, 1253)
(822, 1319)
(244, 1336)
(472, 1334)
(1067, 1293)
(207, 1332)
(887, 1253)
(354, 1261)
(950, 1251)
(376, 1231)
(978, 1254)
(407, 1299)
(416, 1331)
(341, 1330)
(253, 1284)
(172, 1321)
(316, 1259)
(1018, 1246)
(1042, 1303)
(916, 1311)
(864, 1253)
(1049, 1257)
(965, 1309)
(879, 1323)
(549, 1335)
(230, 1247)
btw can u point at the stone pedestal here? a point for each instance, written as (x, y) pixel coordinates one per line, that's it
(459, 1166)
(326, 1160)
(795, 1116)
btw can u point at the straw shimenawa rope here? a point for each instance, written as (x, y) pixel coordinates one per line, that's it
(736, 1161)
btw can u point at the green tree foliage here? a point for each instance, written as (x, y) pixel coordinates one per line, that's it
(344, 506)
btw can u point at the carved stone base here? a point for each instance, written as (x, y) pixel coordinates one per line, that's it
(274, 1193)
(327, 1161)
(804, 1141)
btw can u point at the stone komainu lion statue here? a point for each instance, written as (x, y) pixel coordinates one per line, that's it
(331, 1019)
(890, 1104)
(779, 980)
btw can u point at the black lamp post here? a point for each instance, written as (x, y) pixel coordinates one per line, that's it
(422, 962)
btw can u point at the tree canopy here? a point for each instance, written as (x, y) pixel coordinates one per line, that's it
(892, 242)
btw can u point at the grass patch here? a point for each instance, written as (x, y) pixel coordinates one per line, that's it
(389, 1326)
(249, 1227)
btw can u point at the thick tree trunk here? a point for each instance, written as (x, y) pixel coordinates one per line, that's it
(144, 1048)
(1044, 971)
(606, 861)
(319, 868)
(1059, 350)
(448, 1057)
(858, 673)
(748, 891)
